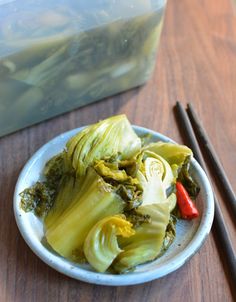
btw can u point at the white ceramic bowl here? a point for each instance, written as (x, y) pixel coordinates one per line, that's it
(190, 234)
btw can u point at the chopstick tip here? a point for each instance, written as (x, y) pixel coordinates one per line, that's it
(178, 104)
(189, 106)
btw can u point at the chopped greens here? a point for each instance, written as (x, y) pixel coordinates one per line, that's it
(108, 200)
(186, 179)
(137, 218)
(54, 170)
(131, 195)
(170, 234)
(40, 197)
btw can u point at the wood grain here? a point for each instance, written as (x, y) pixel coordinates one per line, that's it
(196, 62)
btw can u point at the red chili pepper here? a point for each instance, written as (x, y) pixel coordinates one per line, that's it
(186, 206)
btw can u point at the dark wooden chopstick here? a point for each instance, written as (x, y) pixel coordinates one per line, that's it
(213, 158)
(219, 224)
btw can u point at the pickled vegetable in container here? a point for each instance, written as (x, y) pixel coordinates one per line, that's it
(57, 55)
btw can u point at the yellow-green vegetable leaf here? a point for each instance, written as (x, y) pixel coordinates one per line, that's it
(112, 137)
(171, 200)
(94, 200)
(110, 171)
(163, 167)
(101, 246)
(155, 177)
(67, 191)
(153, 189)
(146, 244)
(172, 153)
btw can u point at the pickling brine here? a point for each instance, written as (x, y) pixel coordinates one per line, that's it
(59, 55)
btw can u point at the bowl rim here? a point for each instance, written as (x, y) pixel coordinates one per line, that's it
(65, 267)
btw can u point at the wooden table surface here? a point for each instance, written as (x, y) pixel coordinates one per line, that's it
(197, 63)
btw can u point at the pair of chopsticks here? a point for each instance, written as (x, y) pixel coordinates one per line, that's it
(188, 121)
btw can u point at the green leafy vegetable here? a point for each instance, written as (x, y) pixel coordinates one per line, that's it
(169, 235)
(131, 195)
(108, 201)
(94, 201)
(155, 176)
(67, 191)
(172, 153)
(137, 218)
(112, 137)
(186, 179)
(171, 200)
(111, 171)
(146, 244)
(55, 169)
(40, 197)
(101, 245)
